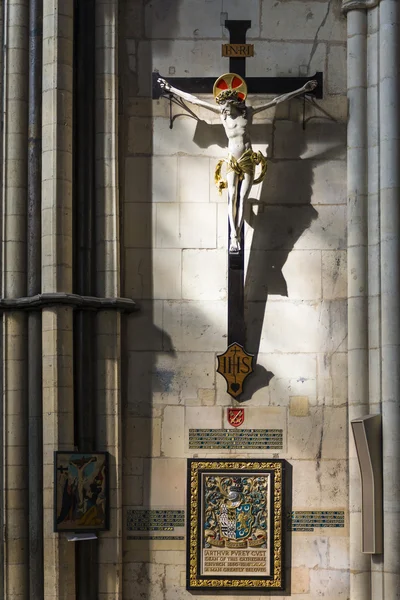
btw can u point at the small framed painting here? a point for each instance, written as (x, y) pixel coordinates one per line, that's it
(81, 495)
(235, 525)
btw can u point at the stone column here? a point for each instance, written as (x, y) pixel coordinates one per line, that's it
(357, 184)
(374, 255)
(58, 419)
(108, 342)
(389, 134)
(16, 573)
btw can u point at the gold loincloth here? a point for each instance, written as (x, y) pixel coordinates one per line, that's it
(246, 164)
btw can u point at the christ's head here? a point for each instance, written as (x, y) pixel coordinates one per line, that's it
(231, 104)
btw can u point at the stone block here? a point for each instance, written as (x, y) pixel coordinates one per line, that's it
(310, 552)
(332, 584)
(141, 389)
(302, 227)
(319, 485)
(300, 580)
(167, 225)
(305, 434)
(335, 106)
(167, 266)
(164, 179)
(206, 397)
(339, 553)
(171, 57)
(144, 328)
(283, 59)
(332, 379)
(336, 82)
(204, 274)
(144, 437)
(320, 435)
(290, 375)
(139, 229)
(234, 10)
(153, 276)
(319, 140)
(334, 274)
(198, 225)
(173, 575)
(137, 179)
(182, 375)
(138, 276)
(132, 466)
(277, 273)
(173, 431)
(133, 490)
(204, 417)
(139, 136)
(196, 326)
(144, 580)
(189, 137)
(165, 482)
(296, 327)
(314, 21)
(170, 21)
(316, 182)
(299, 406)
(193, 179)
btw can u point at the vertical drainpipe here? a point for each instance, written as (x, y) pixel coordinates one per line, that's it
(35, 437)
(389, 133)
(84, 265)
(357, 184)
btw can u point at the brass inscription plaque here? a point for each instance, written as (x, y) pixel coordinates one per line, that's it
(232, 50)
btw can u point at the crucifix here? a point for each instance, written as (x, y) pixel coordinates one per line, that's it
(230, 92)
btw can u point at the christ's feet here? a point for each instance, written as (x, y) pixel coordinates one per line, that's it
(234, 246)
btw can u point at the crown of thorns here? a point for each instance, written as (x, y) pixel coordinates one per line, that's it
(228, 95)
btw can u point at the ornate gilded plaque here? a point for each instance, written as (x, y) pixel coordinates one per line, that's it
(235, 525)
(235, 364)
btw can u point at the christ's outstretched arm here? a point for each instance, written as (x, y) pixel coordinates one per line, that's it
(308, 87)
(165, 86)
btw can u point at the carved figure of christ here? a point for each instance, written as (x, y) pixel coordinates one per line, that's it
(236, 118)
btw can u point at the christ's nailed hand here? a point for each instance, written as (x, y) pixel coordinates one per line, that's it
(164, 85)
(310, 85)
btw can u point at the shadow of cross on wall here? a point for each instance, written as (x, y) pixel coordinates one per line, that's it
(281, 215)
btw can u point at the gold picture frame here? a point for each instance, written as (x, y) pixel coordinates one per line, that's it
(235, 525)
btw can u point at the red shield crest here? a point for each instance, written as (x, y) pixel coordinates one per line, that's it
(235, 416)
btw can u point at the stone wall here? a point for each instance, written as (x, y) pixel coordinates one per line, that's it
(174, 263)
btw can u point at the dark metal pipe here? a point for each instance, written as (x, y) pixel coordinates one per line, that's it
(84, 264)
(35, 433)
